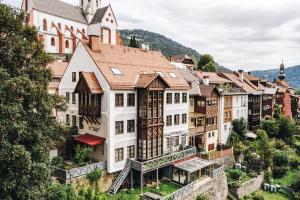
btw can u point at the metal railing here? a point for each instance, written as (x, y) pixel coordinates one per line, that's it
(164, 160)
(181, 193)
(79, 171)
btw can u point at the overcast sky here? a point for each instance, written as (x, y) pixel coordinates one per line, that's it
(240, 34)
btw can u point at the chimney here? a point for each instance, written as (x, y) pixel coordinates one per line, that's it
(94, 42)
(241, 75)
(206, 80)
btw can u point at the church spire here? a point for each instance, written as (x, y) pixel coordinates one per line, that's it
(282, 75)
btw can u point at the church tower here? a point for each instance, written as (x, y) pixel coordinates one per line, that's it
(282, 75)
(89, 8)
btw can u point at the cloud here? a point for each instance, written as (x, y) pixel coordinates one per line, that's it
(252, 34)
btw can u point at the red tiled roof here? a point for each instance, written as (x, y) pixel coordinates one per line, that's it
(58, 68)
(132, 62)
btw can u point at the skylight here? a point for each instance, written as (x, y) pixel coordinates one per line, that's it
(116, 71)
(160, 73)
(172, 75)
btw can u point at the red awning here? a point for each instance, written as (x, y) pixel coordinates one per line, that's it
(89, 139)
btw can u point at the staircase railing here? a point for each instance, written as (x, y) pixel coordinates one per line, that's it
(120, 179)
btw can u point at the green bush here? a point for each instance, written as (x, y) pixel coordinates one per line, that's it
(61, 192)
(58, 162)
(295, 162)
(279, 172)
(235, 174)
(81, 154)
(280, 159)
(94, 177)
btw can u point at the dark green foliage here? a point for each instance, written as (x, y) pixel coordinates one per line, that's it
(277, 112)
(279, 172)
(94, 177)
(271, 127)
(81, 154)
(207, 63)
(258, 197)
(235, 174)
(27, 126)
(264, 149)
(133, 42)
(240, 127)
(62, 192)
(280, 162)
(58, 161)
(287, 129)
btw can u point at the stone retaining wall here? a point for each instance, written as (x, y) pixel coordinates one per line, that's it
(213, 188)
(247, 188)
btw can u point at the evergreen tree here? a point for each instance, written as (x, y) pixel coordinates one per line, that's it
(133, 43)
(27, 126)
(207, 63)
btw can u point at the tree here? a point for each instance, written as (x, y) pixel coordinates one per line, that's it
(287, 129)
(240, 127)
(27, 126)
(277, 112)
(81, 154)
(133, 43)
(207, 63)
(264, 148)
(271, 127)
(94, 177)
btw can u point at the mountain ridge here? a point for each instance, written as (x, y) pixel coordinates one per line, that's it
(292, 75)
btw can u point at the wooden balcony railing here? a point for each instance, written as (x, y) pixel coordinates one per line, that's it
(88, 110)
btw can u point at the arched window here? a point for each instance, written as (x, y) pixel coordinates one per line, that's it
(59, 26)
(67, 44)
(83, 31)
(45, 25)
(52, 41)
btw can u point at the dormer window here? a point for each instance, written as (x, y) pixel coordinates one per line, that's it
(116, 71)
(172, 75)
(160, 73)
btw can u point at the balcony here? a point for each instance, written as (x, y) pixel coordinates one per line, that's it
(90, 111)
(164, 160)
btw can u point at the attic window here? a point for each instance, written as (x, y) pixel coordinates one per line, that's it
(112, 21)
(116, 71)
(109, 14)
(160, 73)
(107, 19)
(172, 75)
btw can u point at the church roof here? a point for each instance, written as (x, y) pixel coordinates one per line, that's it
(99, 15)
(60, 9)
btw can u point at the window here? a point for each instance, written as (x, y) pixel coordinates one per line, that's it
(213, 134)
(83, 31)
(67, 97)
(169, 98)
(176, 141)
(72, 28)
(112, 21)
(67, 44)
(225, 127)
(68, 119)
(131, 99)
(172, 75)
(81, 123)
(177, 98)
(119, 126)
(183, 118)
(209, 135)
(169, 120)
(116, 71)
(53, 41)
(176, 120)
(184, 97)
(130, 126)
(73, 76)
(130, 151)
(45, 27)
(74, 121)
(59, 26)
(73, 98)
(119, 100)
(119, 154)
